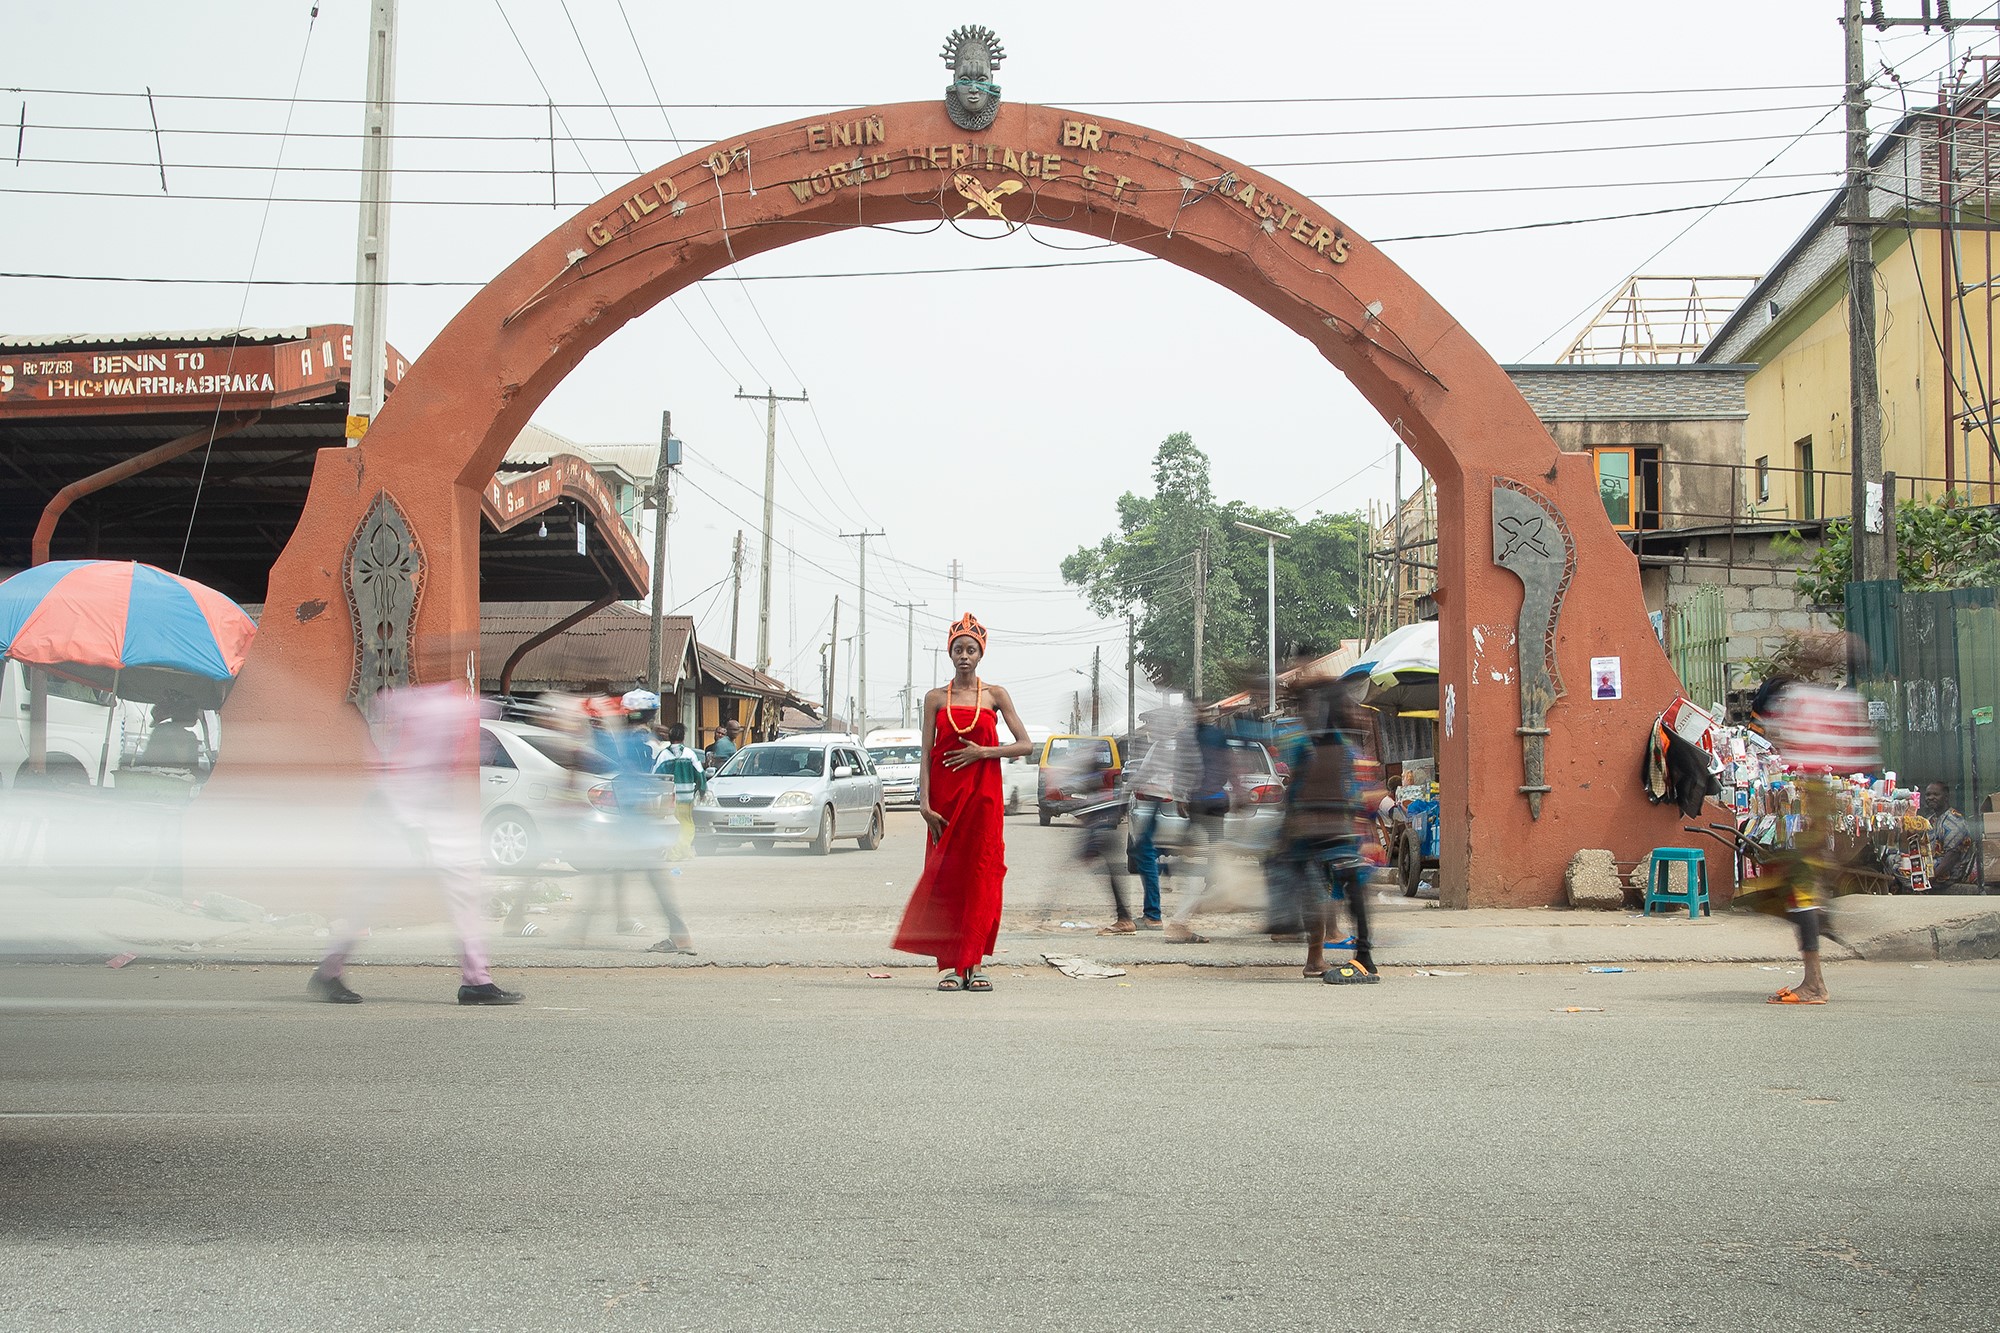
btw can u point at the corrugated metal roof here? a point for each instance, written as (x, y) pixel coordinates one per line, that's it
(734, 675)
(175, 336)
(535, 445)
(612, 645)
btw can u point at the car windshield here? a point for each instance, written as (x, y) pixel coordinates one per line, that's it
(897, 754)
(775, 761)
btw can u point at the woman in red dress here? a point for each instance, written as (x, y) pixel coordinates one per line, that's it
(954, 915)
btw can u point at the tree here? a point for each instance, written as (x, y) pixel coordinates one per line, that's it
(1318, 575)
(1145, 570)
(1940, 544)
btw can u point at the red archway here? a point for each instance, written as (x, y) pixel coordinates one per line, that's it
(440, 437)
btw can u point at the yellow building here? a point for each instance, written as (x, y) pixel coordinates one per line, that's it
(1934, 328)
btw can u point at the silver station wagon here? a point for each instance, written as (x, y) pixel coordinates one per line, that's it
(812, 789)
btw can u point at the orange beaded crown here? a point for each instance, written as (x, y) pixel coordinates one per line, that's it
(966, 626)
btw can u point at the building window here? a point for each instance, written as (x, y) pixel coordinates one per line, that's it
(1614, 486)
(1628, 484)
(1764, 480)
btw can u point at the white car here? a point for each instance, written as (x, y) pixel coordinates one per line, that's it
(542, 796)
(898, 758)
(810, 789)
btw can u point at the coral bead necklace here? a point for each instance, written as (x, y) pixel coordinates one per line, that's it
(950, 712)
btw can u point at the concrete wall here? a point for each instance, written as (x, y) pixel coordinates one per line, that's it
(1760, 593)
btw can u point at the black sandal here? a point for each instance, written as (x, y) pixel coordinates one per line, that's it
(977, 980)
(950, 981)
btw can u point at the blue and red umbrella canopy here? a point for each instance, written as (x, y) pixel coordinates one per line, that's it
(130, 628)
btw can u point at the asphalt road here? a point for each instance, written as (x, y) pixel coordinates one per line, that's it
(199, 1148)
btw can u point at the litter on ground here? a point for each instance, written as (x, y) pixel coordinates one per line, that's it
(1081, 968)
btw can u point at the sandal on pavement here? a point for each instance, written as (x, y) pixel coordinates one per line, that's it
(1786, 995)
(1119, 928)
(1350, 974)
(950, 981)
(1310, 975)
(977, 980)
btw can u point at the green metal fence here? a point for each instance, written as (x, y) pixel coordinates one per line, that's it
(1933, 682)
(1697, 639)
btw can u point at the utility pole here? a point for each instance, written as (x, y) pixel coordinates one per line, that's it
(1864, 394)
(910, 662)
(371, 243)
(771, 401)
(736, 592)
(861, 675)
(670, 457)
(832, 660)
(1096, 662)
(849, 641)
(1131, 677)
(1200, 609)
(1872, 559)
(955, 610)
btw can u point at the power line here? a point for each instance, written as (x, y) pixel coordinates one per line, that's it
(1548, 94)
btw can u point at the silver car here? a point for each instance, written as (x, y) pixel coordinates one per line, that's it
(542, 796)
(810, 789)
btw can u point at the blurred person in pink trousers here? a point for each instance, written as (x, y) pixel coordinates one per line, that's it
(428, 736)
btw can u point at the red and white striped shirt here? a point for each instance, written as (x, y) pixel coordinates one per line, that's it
(1822, 730)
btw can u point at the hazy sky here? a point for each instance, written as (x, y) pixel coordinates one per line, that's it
(990, 417)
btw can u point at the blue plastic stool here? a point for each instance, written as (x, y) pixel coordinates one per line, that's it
(1660, 891)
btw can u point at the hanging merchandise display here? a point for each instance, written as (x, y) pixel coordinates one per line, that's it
(1873, 834)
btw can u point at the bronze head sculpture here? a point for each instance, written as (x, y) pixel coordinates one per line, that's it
(972, 100)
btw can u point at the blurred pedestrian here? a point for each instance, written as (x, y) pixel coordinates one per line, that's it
(1160, 783)
(428, 736)
(1208, 820)
(1330, 806)
(954, 914)
(1080, 774)
(642, 826)
(1823, 733)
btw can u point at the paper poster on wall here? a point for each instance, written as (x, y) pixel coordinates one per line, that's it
(1607, 678)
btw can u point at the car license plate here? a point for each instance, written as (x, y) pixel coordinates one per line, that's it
(739, 821)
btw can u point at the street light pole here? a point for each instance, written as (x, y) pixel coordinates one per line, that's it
(1271, 540)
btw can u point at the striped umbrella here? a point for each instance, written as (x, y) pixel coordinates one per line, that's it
(132, 629)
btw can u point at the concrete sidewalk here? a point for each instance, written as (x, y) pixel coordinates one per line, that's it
(42, 927)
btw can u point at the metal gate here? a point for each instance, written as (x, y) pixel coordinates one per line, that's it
(1933, 681)
(1697, 639)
